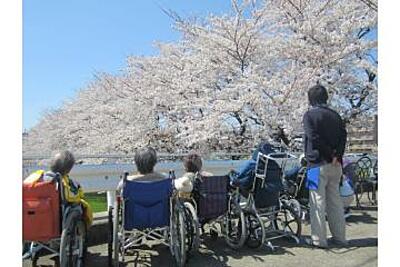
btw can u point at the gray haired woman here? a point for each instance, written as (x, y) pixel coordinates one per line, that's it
(145, 160)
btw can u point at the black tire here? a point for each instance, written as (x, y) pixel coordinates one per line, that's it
(193, 228)
(72, 245)
(234, 226)
(115, 242)
(287, 220)
(178, 235)
(110, 236)
(255, 230)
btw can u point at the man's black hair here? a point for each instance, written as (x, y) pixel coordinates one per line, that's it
(317, 95)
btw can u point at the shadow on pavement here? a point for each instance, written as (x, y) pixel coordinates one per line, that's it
(364, 242)
(96, 259)
(363, 217)
(54, 260)
(365, 208)
(98, 234)
(355, 244)
(212, 253)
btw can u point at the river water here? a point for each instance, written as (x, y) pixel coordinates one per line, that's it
(100, 177)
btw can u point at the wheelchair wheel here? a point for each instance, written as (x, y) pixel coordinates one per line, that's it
(110, 236)
(234, 226)
(178, 235)
(288, 221)
(193, 228)
(35, 259)
(72, 245)
(295, 205)
(255, 230)
(115, 239)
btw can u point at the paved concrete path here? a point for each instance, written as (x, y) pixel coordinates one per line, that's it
(361, 233)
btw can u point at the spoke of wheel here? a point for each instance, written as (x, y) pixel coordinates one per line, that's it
(290, 228)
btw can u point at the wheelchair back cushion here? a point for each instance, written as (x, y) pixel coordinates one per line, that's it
(268, 195)
(303, 191)
(298, 179)
(41, 211)
(211, 194)
(147, 204)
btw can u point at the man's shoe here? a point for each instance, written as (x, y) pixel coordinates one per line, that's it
(314, 244)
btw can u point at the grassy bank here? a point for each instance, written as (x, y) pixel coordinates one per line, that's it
(97, 201)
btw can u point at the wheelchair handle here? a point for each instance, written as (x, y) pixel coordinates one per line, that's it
(171, 174)
(124, 176)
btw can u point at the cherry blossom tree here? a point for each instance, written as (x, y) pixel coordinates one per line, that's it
(227, 83)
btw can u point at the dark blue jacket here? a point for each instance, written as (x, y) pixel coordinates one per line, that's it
(324, 135)
(245, 175)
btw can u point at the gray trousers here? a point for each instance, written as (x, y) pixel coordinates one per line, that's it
(326, 200)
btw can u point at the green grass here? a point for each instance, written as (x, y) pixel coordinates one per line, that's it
(97, 201)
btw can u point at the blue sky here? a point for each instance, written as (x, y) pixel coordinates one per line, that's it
(66, 42)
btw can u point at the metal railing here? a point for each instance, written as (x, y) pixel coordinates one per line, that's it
(105, 177)
(161, 156)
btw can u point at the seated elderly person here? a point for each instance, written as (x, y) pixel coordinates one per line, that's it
(62, 163)
(293, 172)
(145, 160)
(291, 179)
(268, 194)
(244, 176)
(192, 164)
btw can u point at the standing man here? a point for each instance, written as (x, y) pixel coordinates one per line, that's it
(324, 141)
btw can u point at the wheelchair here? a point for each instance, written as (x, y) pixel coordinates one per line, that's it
(295, 188)
(192, 223)
(52, 224)
(218, 207)
(267, 215)
(147, 211)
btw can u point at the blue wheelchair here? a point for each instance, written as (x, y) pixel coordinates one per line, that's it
(147, 211)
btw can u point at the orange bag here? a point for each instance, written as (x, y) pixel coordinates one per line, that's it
(41, 211)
